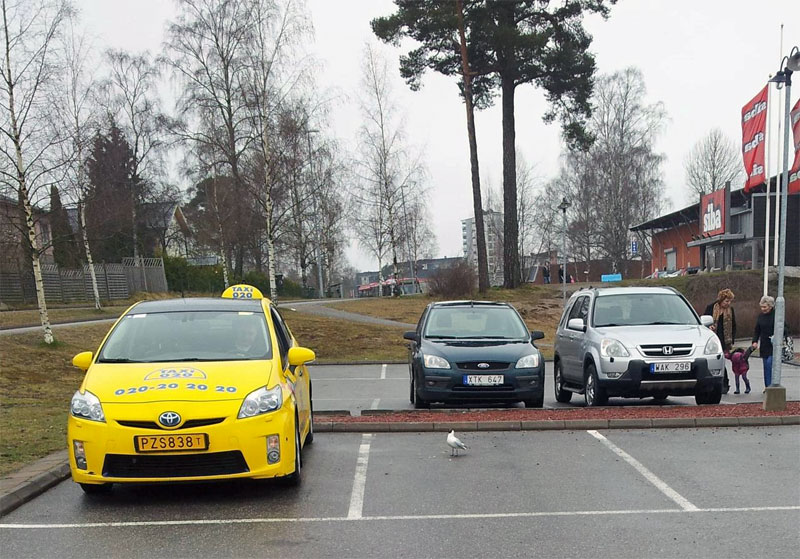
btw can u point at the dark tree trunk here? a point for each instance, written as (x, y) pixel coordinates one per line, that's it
(477, 204)
(511, 268)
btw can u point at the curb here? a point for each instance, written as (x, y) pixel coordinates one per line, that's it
(327, 423)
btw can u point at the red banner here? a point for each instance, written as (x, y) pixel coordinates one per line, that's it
(754, 122)
(794, 173)
(712, 213)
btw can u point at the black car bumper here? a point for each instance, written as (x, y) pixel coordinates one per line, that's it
(638, 381)
(449, 386)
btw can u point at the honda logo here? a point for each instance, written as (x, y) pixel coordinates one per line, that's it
(667, 350)
(169, 419)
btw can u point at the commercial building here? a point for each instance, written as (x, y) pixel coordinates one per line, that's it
(725, 230)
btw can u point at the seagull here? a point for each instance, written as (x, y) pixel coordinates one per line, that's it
(454, 443)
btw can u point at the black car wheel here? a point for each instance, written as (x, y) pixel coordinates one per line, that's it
(711, 397)
(295, 477)
(97, 488)
(412, 397)
(593, 394)
(562, 395)
(419, 401)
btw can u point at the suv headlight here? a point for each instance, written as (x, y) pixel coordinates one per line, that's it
(87, 406)
(712, 346)
(529, 361)
(263, 400)
(613, 348)
(435, 362)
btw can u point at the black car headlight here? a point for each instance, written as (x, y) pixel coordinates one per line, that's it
(529, 361)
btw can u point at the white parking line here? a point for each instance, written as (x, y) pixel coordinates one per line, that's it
(422, 517)
(648, 475)
(360, 480)
(383, 372)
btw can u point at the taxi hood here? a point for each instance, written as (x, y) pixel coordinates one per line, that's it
(202, 381)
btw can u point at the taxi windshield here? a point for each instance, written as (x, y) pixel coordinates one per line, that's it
(188, 336)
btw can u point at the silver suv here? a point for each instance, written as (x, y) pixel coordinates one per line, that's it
(635, 342)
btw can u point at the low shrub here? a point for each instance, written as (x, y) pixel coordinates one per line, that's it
(454, 282)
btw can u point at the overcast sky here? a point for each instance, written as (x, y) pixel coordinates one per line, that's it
(703, 59)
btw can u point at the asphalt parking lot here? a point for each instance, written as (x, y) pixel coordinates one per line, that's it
(728, 492)
(359, 387)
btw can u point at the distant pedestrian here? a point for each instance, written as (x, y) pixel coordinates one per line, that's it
(724, 324)
(560, 274)
(740, 366)
(546, 274)
(762, 337)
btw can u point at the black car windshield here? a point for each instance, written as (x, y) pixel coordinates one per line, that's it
(640, 309)
(481, 322)
(188, 336)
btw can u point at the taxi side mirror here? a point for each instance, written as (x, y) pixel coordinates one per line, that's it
(300, 356)
(83, 360)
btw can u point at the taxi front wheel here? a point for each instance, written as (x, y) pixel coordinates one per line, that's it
(97, 488)
(295, 477)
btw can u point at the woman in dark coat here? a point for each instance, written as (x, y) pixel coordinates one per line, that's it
(724, 324)
(762, 337)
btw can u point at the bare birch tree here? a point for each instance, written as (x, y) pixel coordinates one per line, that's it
(77, 117)
(385, 170)
(30, 29)
(713, 161)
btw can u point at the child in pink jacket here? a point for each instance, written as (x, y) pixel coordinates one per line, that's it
(740, 366)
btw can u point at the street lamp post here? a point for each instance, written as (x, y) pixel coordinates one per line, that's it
(563, 207)
(775, 397)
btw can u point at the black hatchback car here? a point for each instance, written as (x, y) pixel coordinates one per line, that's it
(467, 351)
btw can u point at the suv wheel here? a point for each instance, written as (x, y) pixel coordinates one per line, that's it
(592, 392)
(712, 397)
(562, 395)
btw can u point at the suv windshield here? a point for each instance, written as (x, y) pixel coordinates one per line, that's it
(188, 336)
(637, 309)
(475, 322)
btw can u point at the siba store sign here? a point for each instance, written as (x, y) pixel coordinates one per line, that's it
(712, 213)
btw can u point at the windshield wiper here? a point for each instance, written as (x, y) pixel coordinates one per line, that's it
(120, 360)
(441, 337)
(659, 322)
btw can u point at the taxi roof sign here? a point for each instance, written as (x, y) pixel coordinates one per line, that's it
(242, 291)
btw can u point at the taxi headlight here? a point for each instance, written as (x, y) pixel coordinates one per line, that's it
(529, 361)
(87, 406)
(263, 400)
(435, 362)
(713, 346)
(613, 348)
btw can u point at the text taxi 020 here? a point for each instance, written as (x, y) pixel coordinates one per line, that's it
(192, 389)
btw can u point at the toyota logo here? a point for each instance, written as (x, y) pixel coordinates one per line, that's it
(483, 365)
(169, 419)
(667, 350)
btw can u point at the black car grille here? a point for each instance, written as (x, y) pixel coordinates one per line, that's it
(473, 366)
(189, 424)
(177, 465)
(657, 350)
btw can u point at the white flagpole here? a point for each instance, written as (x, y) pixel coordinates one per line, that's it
(766, 173)
(779, 167)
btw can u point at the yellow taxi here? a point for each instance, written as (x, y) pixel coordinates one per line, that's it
(189, 390)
